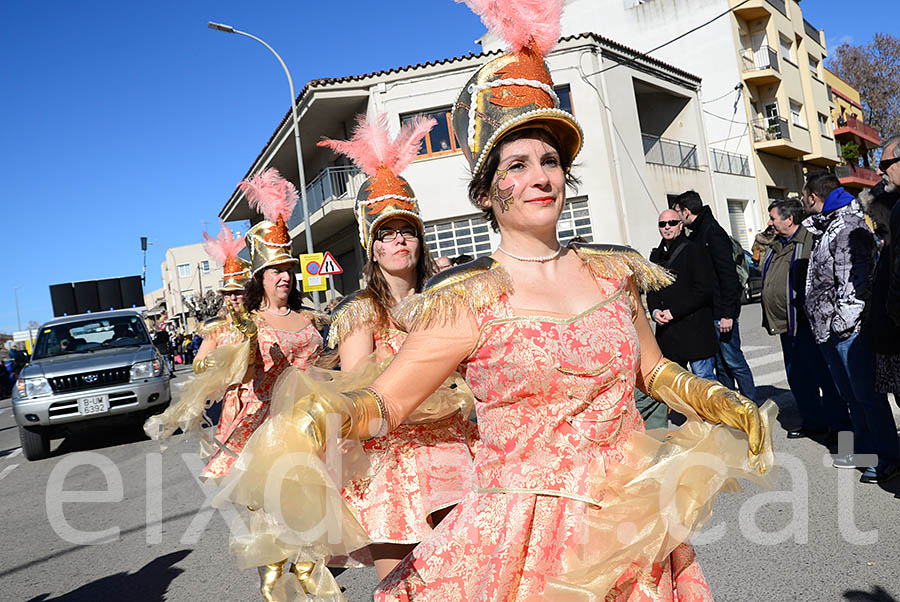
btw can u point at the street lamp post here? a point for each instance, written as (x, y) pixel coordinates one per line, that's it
(18, 317)
(301, 174)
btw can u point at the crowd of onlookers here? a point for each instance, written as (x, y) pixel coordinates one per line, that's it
(830, 291)
(179, 348)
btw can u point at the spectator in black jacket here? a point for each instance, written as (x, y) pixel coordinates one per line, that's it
(683, 311)
(731, 365)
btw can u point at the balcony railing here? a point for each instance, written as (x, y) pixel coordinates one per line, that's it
(662, 151)
(763, 58)
(811, 31)
(866, 175)
(860, 128)
(733, 163)
(329, 184)
(779, 5)
(771, 128)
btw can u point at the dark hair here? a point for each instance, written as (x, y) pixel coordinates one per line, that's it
(821, 184)
(254, 292)
(789, 208)
(689, 200)
(381, 291)
(462, 259)
(480, 184)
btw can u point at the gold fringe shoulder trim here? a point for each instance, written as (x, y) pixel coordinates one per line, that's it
(355, 310)
(472, 286)
(211, 326)
(621, 262)
(319, 319)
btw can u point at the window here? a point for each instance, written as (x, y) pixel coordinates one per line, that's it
(824, 127)
(184, 270)
(204, 266)
(787, 48)
(575, 221)
(468, 236)
(814, 66)
(440, 140)
(565, 98)
(797, 114)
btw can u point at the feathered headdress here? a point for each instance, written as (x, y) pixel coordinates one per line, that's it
(224, 250)
(275, 198)
(385, 195)
(514, 89)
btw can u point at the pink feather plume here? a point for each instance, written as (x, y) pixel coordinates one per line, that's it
(520, 21)
(370, 147)
(224, 246)
(270, 194)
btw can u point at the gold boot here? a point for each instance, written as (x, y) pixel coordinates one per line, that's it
(268, 575)
(303, 572)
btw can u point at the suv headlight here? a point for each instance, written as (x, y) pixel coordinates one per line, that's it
(149, 369)
(33, 387)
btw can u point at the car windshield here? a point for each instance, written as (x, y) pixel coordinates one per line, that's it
(89, 335)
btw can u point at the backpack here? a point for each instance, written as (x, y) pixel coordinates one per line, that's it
(740, 262)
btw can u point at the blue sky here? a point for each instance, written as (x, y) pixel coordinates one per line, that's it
(126, 119)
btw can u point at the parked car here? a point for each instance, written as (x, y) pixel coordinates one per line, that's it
(753, 290)
(88, 370)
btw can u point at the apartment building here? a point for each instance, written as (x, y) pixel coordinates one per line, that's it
(855, 173)
(765, 104)
(644, 143)
(187, 272)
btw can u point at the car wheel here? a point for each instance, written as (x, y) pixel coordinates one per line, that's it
(35, 442)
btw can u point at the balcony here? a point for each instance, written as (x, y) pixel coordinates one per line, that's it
(757, 9)
(662, 151)
(773, 135)
(760, 66)
(812, 32)
(856, 176)
(733, 163)
(858, 131)
(330, 184)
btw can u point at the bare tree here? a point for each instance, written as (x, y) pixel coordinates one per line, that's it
(201, 308)
(874, 70)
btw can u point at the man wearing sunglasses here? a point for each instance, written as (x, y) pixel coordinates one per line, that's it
(838, 285)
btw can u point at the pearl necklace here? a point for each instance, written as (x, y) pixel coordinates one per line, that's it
(278, 314)
(543, 259)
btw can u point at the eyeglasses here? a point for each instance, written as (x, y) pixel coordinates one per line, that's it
(670, 222)
(390, 235)
(886, 163)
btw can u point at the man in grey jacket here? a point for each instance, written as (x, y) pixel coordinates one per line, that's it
(837, 287)
(784, 267)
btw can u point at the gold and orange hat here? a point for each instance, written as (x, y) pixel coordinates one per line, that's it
(224, 249)
(385, 195)
(269, 241)
(514, 91)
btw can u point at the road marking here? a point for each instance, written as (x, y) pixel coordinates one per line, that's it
(7, 470)
(15, 452)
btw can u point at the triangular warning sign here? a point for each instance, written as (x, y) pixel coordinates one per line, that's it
(330, 265)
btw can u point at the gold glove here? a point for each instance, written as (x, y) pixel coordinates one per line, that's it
(712, 401)
(204, 364)
(245, 324)
(356, 410)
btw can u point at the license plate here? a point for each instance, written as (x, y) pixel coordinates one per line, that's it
(93, 405)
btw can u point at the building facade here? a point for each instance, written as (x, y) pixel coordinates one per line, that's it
(766, 107)
(856, 138)
(187, 272)
(644, 143)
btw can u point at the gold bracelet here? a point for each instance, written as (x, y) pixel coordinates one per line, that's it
(382, 430)
(659, 368)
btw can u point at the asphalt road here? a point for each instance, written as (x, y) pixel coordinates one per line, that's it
(819, 535)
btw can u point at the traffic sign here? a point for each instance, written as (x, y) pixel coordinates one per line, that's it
(311, 265)
(330, 265)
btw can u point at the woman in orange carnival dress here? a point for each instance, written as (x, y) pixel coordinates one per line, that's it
(573, 501)
(423, 468)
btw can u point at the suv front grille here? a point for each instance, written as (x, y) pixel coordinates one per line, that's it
(90, 380)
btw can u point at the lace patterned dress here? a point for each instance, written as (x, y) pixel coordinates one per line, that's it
(249, 403)
(418, 468)
(554, 401)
